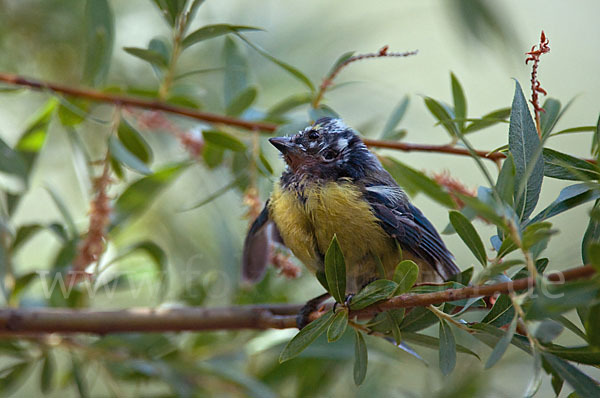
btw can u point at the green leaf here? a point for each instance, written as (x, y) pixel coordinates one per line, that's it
(447, 354)
(338, 326)
(11, 162)
(100, 36)
(47, 374)
(502, 344)
(122, 154)
(224, 140)
(405, 275)
(158, 257)
(494, 117)
(418, 319)
(550, 116)
(416, 181)
(64, 210)
(582, 383)
(570, 325)
(553, 299)
(32, 140)
(134, 142)
(375, 291)
(579, 129)
(591, 236)
(77, 373)
(460, 102)
(73, 111)
(566, 167)
(524, 144)
(433, 342)
(12, 376)
(536, 380)
(395, 118)
(505, 185)
(139, 195)
(443, 115)
(170, 9)
(151, 56)
(242, 101)
(584, 354)
(335, 271)
(212, 155)
(469, 235)
(322, 111)
(289, 103)
(341, 59)
(568, 198)
(361, 358)
(306, 336)
(24, 233)
(547, 330)
(592, 325)
(21, 284)
(501, 313)
(210, 31)
(288, 68)
(235, 78)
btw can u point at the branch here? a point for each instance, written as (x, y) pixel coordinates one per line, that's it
(19, 321)
(265, 127)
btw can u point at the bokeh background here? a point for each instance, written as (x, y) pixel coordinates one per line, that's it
(482, 42)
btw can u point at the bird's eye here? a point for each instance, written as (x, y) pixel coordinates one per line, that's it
(313, 135)
(329, 155)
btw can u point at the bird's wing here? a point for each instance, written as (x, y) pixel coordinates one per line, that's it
(404, 222)
(258, 246)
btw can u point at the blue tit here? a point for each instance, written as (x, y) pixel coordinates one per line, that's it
(334, 185)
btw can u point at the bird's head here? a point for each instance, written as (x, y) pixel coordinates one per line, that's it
(328, 150)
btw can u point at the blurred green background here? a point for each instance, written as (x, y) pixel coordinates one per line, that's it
(484, 47)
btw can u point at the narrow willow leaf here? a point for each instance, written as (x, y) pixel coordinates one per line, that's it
(579, 129)
(375, 291)
(416, 181)
(170, 9)
(341, 59)
(536, 380)
(235, 78)
(550, 116)
(592, 325)
(159, 259)
(151, 56)
(570, 325)
(588, 355)
(338, 326)
(568, 198)
(335, 271)
(405, 275)
(584, 385)
(287, 67)
(64, 210)
(469, 235)
(242, 101)
(555, 299)
(591, 235)
(394, 318)
(306, 336)
(12, 376)
(140, 194)
(460, 102)
(395, 118)
(502, 345)
(47, 374)
(289, 103)
(443, 115)
(224, 140)
(447, 353)
(24, 233)
(566, 167)
(361, 358)
(11, 162)
(210, 31)
(492, 118)
(122, 154)
(433, 342)
(100, 36)
(134, 142)
(322, 111)
(547, 330)
(505, 185)
(523, 144)
(501, 313)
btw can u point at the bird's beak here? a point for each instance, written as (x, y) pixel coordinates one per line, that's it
(283, 144)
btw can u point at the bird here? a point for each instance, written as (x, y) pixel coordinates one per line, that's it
(334, 185)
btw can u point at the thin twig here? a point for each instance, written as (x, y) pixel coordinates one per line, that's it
(328, 81)
(536, 87)
(26, 321)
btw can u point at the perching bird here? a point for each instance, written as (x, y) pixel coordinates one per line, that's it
(334, 185)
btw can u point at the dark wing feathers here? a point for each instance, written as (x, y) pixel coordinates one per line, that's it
(258, 246)
(403, 221)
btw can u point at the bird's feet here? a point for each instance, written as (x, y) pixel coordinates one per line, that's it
(302, 319)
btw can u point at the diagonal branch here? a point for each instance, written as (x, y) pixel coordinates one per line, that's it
(265, 127)
(20, 321)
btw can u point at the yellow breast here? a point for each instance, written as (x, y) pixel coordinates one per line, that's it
(307, 227)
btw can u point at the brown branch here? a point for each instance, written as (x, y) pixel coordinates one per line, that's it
(452, 150)
(19, 321)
